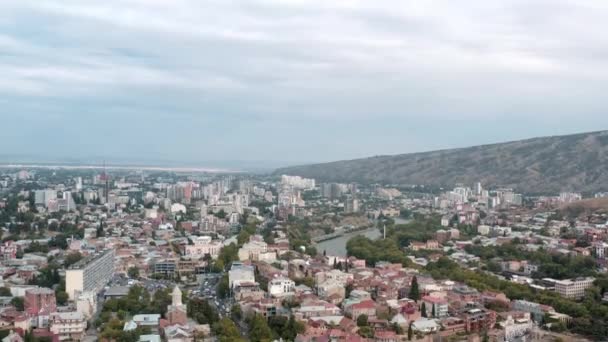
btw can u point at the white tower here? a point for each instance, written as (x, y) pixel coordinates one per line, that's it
(177, 297)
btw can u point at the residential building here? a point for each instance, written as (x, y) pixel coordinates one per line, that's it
(68, 325)
(40, 301)
(573, 288)
(12, 337)
(534, 309)
(252, 249)
(281, 286)
(202, 246)
(436, 307)
(240, 273)
(477, 320)
(90, 273)
(425, 325)
(366, 307)
(8, 250)
(86, 304)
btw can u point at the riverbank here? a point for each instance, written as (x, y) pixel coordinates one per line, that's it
(337, 246)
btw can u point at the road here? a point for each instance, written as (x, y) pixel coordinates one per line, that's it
(208, 291)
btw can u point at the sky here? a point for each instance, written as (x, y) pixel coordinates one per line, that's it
(293, 81)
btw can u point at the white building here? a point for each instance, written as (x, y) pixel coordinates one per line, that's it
(89, 274)
(12, 337)
(240, 273)
(425, 325)
(252, 249)
(329, 288)
(515, 329)
(600, 249)
(177, 208)
(203, 245)
(42, 197)
(483, 230)
(68, 325)
(151, 213)
(86, 304)
(568, 197)
(281, 286)
(435, 307)
(573, 288)
(298, 182)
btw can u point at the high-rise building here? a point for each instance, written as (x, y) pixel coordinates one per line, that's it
(351, 205)
(90, 274)
(332, 191)
(478, 189)
(298, 182)
(42, 197)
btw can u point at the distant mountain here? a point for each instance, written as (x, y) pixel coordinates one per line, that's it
(577, 162)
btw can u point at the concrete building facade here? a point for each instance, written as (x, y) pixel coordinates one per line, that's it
(90, 274)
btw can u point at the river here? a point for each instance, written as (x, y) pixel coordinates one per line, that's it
(337, 246)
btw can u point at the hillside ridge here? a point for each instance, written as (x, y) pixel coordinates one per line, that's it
(575, 162)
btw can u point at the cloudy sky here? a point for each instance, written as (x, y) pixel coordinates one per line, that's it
(294, 81)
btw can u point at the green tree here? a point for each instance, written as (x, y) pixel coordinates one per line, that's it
(494, 267)
(71, 259)
(293, 329)
(259, 331)
(160, 301)
(236, 313)
(17, 302)
(349, 288)
(223, 287)
(366, 331)
(201, 311)
(5, 292)
(485, 337)
(221, 214)
(414, 290)
(61, 297)
(227, 331)
(133, 272)
(362, 321)
(218, 266)
(423, 309)
(308, 281)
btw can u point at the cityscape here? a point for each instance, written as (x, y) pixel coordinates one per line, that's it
(133, 255)
(303, 171)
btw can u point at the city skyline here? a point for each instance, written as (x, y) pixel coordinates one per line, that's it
(283, 83)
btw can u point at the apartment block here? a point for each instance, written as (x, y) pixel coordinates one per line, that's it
(90, 274)
(573, 288)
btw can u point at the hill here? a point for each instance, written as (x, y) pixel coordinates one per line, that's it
(577, 162)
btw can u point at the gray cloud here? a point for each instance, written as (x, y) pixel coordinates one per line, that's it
(333, 63)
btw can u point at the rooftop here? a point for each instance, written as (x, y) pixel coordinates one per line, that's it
(89, 259)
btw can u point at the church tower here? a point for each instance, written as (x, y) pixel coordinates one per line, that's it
(177, 296)
(177, 312)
